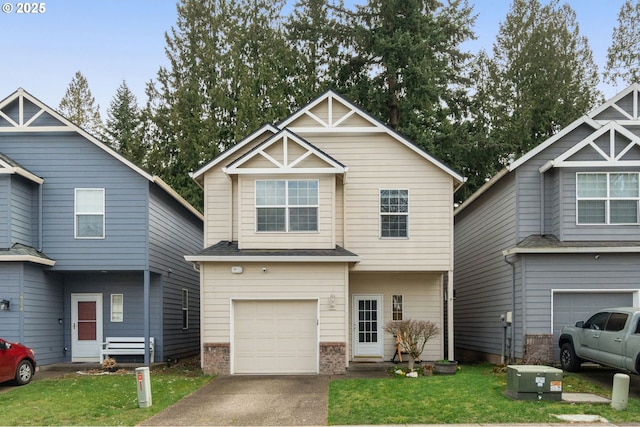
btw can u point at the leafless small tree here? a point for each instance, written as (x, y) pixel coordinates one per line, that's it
(412, 336)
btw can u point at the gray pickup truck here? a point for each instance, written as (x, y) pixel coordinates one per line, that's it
(610, 337)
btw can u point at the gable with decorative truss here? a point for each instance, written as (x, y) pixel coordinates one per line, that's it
(285, 153)
(21, 112)
(330, 113)
(622, 107)
(611, 145)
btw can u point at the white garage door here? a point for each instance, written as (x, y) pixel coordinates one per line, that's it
(570, 307)
(275, 337)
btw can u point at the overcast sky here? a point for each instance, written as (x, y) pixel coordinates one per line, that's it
(114, 40)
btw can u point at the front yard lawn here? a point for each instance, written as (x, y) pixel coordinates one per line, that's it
(95, 399)
(473, 395)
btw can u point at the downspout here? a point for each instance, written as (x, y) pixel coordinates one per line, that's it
(513, 308)
(40, 220)
(146, 312)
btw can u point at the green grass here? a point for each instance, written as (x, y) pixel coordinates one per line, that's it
(95, 400)
(473, 395)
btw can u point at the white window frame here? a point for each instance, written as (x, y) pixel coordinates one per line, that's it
(606, 199)
(287, 206)
(185, 309)
(115, 313)
(393, 307)
(383, 214)
(77, 214)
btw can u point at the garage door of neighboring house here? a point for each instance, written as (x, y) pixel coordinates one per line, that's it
(275, 337)
(570, 307)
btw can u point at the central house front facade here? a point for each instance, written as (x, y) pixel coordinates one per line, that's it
(318, 231)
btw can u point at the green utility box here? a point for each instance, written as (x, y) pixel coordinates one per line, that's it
(530, 382)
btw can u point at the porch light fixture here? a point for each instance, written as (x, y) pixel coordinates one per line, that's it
(5, 305)
(332, 302)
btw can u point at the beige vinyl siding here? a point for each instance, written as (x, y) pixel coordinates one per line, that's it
(322, 239)
(217, 207)
(280, 281)
(422, 300)
(377, 162)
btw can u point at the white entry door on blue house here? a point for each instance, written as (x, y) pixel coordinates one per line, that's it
(86, 327)
(367, 326)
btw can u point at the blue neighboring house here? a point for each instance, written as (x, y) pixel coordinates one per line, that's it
(551, 239)
(91, 245)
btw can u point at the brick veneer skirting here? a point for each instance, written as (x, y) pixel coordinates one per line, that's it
(216, 356)
(333, 358)
(538, 349)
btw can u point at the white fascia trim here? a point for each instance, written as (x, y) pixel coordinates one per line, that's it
(157, 180)
(614, 99)
(27, 258)
(22, 172)
(283, 171)
(573, 250)
(543, 146)
(266, 258)
(227, 153)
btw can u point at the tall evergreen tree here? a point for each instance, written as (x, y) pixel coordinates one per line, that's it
(228, 74)
(404, 64)
(312, 32)
(78, 105)
(123, 131)
(623, 56)
(541, 76)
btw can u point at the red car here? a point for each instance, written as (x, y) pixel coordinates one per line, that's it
(17, 362)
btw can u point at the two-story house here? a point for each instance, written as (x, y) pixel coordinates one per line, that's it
(552, 238)
(318, 231)
(91, 245)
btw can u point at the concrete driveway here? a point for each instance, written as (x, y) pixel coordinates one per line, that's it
(603, 376)
(252, 401)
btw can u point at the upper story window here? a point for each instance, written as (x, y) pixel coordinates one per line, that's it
(89, 213)
(607, 198)
(287, 205)
(394, 213)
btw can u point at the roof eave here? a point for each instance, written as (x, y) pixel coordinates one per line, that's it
(27, 258)
(267, 258)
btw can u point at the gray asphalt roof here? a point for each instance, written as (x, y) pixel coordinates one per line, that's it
(227, 248)
(23, 250)
(551, 241)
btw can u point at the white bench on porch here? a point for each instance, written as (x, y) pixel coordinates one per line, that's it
(125, 346)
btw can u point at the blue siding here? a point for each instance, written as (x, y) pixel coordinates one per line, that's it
(482, 279)
(22, 226)
(42, 310)
(10, 289)
(174, 233)
(5, 185)
(131, 286)
(67, 161)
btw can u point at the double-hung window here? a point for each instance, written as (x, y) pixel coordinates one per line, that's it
(394, 213)
(89, 213)
(287, 205)
(607, 198)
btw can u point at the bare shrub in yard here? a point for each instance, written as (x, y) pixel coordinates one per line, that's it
(412, 336)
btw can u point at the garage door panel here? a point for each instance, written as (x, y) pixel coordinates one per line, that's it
(570, 307)
(275, 336)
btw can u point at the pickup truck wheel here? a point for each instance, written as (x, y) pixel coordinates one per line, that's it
(568, 359)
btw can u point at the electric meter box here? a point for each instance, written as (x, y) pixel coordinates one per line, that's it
(531, 382)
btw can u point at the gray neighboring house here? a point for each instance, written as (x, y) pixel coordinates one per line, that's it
(91, 245)
(551, 238)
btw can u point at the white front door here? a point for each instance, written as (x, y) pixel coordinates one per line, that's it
(367, 326)
(86, 327)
